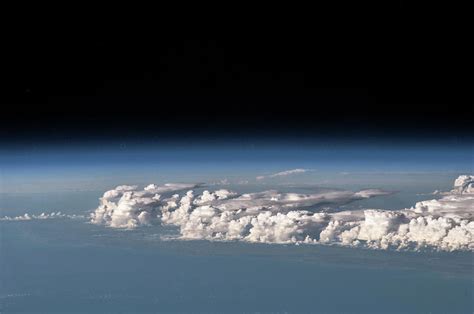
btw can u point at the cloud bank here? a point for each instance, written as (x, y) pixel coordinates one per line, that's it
(273, 217)
(283, 173)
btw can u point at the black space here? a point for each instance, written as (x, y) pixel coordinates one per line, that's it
(115, 87)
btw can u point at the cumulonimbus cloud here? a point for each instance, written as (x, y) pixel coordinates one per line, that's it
(283, 173)
(273, 217)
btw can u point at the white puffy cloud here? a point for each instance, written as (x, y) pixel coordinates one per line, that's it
(464, 185)
(283, 173)
(273, 217)
(127, 207)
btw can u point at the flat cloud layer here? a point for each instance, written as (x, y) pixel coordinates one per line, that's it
(273, 217)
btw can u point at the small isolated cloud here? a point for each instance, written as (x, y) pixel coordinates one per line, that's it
(283, 173)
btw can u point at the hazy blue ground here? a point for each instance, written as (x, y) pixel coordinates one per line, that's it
(69, 266)
(65, 265)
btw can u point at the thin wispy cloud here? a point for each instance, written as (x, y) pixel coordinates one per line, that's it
(284, 173)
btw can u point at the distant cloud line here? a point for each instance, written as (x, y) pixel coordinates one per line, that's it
(42, 216)
(284, 173)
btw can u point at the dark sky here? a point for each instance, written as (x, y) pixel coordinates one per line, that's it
(115, 88)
